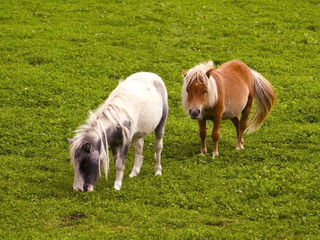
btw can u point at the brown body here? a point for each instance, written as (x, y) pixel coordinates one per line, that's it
(210, 94)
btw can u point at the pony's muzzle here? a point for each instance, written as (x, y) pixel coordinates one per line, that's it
(194, 113)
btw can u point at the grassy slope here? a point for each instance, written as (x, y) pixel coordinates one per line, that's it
(59, 59)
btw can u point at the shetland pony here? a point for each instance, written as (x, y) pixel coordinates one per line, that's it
(134, 109)
(224, 93)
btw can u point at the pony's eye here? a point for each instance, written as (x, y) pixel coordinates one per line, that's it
(187, 90)
(204, 91)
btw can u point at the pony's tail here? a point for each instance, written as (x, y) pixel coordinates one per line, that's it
(265, 97)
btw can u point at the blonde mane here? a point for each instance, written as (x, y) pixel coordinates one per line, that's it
(199, 73)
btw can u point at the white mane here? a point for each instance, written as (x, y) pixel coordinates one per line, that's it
(199, 72)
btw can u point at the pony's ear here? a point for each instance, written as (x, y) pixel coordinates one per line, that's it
(87, 147)
(209, 73)
(70, 140)
(184, 73)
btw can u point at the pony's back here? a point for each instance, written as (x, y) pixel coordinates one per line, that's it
(144, 77)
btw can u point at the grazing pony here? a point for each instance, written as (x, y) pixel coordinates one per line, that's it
(134, 109)
(224, 93)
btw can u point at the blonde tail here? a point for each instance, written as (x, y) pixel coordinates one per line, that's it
(265, 97)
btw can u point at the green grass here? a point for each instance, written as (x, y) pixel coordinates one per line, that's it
(59, 59)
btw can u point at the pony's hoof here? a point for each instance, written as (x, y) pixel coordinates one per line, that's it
(239, 147)
(133, 174)
(158, 173)
(117, 186)
(203, 152)
(215, 154)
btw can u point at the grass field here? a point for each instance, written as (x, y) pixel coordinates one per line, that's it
(59, 59)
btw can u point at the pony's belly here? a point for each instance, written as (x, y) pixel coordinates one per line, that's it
(229, 115)
(138, 135)
(148, 122)
(144, 128)
(233, 107)
(232, 111)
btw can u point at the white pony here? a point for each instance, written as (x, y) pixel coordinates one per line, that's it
(134, 109)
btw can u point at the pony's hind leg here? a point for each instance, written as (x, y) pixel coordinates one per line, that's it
(244, 120)
(158, 144)
(159, 132)
(138, 149)
(158, 147)
(236, 123)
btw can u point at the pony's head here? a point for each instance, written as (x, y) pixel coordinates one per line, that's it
(199, 89)
(88, 150)
(85, 158)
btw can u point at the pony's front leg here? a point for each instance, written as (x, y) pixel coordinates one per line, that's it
(120, 162)
(215, 137)
(138, 148)
(203, 134)
(119, 173)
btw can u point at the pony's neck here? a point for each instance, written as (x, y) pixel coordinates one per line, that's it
(105, 123)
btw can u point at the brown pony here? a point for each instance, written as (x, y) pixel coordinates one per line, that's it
(224, 93)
